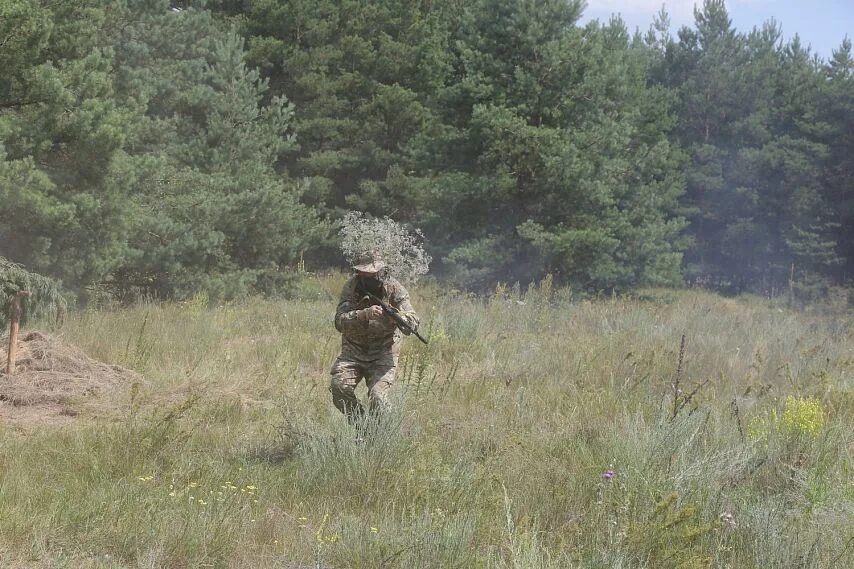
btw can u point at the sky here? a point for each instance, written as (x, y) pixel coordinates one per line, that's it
(822, 24)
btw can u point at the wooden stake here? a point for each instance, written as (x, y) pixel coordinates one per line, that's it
(14, 325)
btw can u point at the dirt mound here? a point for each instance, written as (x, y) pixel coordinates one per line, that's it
(50, 373)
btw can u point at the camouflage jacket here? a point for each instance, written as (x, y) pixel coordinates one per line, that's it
(368, 340)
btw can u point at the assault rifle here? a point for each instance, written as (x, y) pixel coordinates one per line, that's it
(393, 313)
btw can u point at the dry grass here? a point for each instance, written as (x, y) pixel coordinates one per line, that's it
(51, 375)
(231, 454)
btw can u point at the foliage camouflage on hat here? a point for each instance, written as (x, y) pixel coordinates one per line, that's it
(401, 250)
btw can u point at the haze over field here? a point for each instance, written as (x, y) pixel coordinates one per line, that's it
(669, 430)
(630, 257)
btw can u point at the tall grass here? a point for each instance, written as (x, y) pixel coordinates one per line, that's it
(533, 432)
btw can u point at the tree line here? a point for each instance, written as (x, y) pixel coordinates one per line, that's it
(163, 148)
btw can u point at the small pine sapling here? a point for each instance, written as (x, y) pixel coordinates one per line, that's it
(24, 294)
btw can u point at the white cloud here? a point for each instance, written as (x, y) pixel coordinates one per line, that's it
(681, 11)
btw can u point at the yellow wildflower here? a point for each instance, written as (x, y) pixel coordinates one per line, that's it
(319, 535)
(803, 415)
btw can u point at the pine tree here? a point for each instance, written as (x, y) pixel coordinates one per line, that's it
(747, 116)
(138, 150)
(554, 155)
(214, 213)
(836, 107)
(61, 133)
(360, 74)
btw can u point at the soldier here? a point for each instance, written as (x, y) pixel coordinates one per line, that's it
(370, 340)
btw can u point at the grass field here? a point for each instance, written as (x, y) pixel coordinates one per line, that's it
(533, 432)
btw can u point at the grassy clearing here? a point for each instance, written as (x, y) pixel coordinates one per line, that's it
(231, 455)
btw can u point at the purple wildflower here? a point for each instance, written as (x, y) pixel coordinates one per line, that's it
(608, 474)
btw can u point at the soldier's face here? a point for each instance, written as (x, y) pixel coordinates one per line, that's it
(370, 282)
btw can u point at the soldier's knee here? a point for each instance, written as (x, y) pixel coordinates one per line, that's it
(344, 376)
(342, 386)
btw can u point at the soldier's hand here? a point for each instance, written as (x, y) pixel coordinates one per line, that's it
(374, 312)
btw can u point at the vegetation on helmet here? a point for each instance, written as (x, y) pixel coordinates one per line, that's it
(401, 250)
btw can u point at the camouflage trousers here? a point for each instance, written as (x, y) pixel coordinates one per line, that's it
(347, 372)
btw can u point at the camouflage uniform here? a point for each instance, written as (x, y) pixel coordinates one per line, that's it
(369, 348)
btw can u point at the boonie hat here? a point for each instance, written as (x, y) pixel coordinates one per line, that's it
(369, 263)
